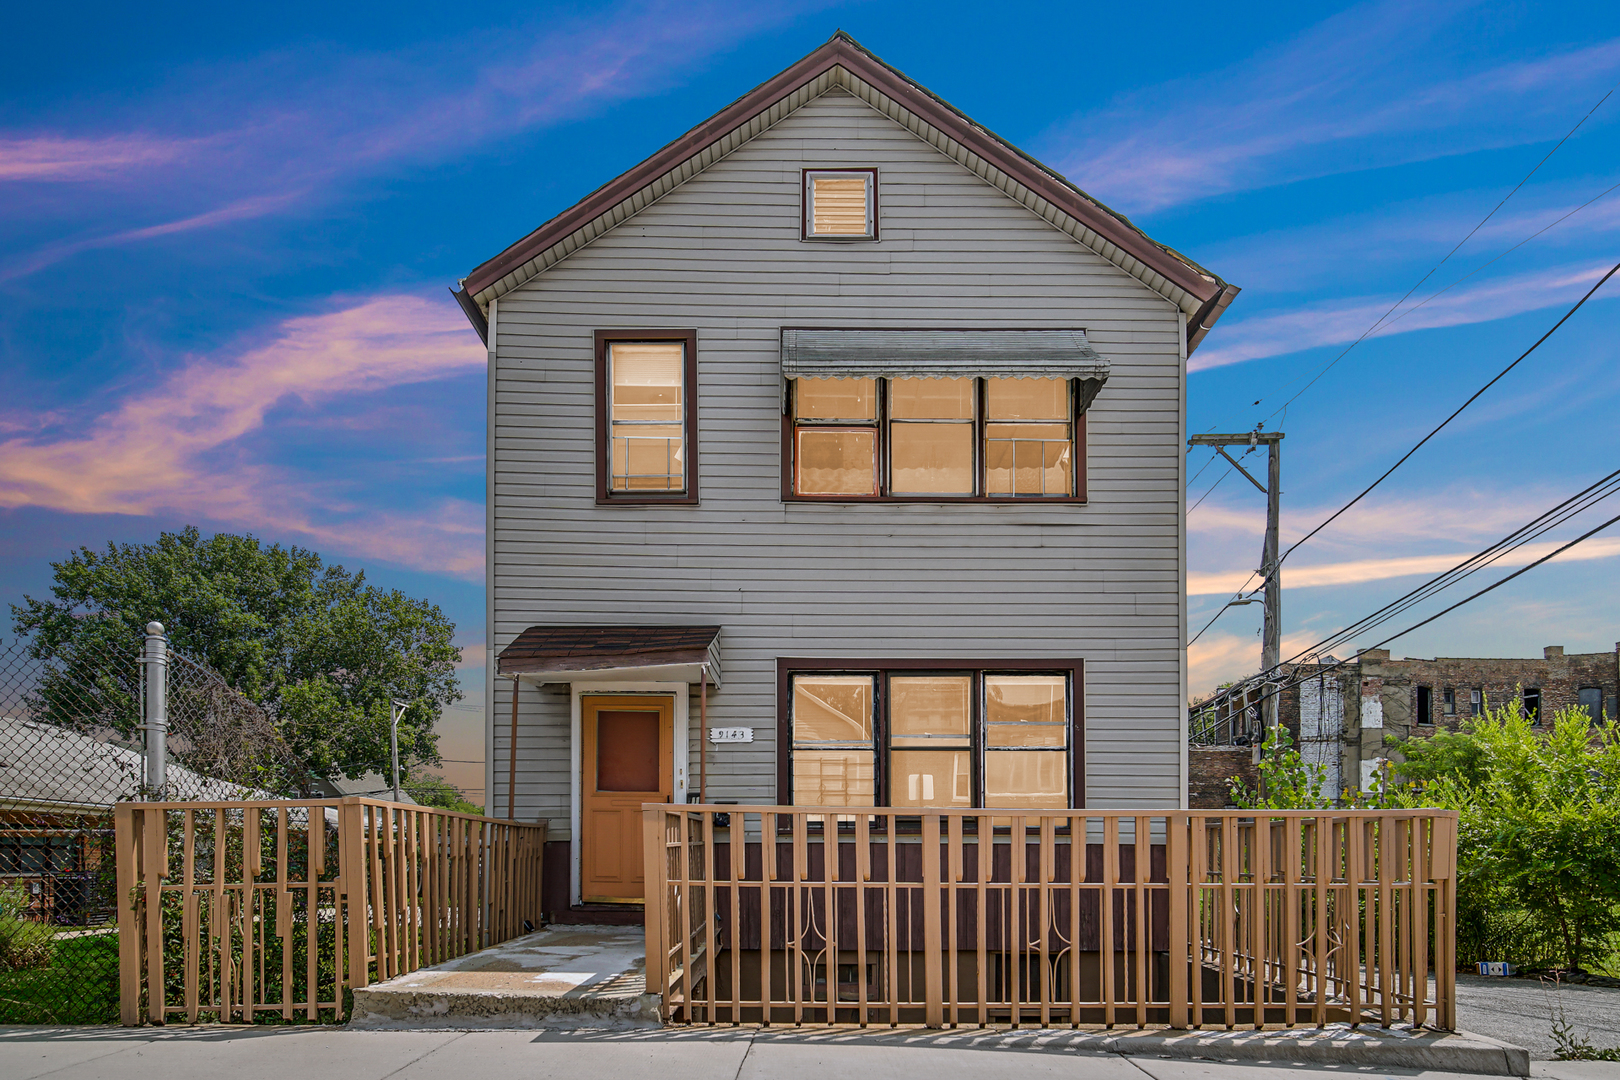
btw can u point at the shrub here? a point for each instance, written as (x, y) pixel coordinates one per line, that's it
(24, 943)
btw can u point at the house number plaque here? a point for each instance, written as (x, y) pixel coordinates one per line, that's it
(731, 734)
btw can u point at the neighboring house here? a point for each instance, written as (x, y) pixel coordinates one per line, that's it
(847, 424)
(57, 790)
(371, 786)
(1341, 714)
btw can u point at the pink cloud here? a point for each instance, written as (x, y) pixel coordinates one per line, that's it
(170, 449)
(1341, 322)
(63, 158)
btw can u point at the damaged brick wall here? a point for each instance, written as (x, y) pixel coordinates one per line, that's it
(1208, 770)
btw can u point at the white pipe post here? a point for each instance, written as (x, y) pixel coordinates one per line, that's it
(393, 744)
(156, 662)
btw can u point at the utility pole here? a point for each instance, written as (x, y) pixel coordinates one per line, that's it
(398, 710)
(1271, 634)
(156, 721)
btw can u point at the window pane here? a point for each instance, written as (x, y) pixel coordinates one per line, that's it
(833, 778)
(929, 710)
(1026, 710)
(931, 459)
(1028, 459)
(832, 708)
(835, 399)
(1026, 399)
(931, 399)
(648, 457)
(930, 778)
(838, 206)
(832, 461)
(1026, 779)
(646, 379)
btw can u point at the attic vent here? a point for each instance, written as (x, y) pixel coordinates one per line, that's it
(840, 204)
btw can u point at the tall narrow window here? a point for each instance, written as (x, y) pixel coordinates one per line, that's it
(1026, 740)
(840, 204)
(1591, 699)
(834, 753)
(646, 416)
(1424, 712)
(1448, 701)
(835, 437)
(1028, 437)
(1532, 705)
(930, 741)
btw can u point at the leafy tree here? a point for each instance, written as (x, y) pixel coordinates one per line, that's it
(1288, 782)
(322, 651)
(1538, 818)
(430, 789)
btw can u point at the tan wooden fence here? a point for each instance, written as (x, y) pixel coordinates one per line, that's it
(227, 910)
(778, 914)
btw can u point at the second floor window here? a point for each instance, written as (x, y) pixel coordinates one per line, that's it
(935, 439)
(646, 417)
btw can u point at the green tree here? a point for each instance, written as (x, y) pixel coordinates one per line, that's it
(1286, 780)
(430, 789)
(321, 650)
(1538, 818)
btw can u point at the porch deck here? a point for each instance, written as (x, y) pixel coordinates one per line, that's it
(586, 976)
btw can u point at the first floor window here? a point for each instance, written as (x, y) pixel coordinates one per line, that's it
(932, 738)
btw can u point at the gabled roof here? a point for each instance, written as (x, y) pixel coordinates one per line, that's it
(844, 63)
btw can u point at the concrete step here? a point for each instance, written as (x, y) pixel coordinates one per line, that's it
(574, 976)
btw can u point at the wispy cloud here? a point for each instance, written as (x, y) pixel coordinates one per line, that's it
(1339, 322)
(274, 142)
(64, 158)
(174, 448)
(1360, 571)
(1328, 101)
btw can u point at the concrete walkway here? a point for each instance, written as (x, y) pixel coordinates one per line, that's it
(210, 1053)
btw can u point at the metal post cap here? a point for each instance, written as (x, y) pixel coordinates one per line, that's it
(155, 629)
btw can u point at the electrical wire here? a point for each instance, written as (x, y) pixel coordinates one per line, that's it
(1576, 504)
(1435, 268)
(1438, 427)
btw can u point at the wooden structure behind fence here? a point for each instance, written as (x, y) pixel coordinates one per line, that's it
(228, 910)
(1043, 918)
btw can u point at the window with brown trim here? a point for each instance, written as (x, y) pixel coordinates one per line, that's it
(933, 440)
(839, 204)
(646, 416)
(899, 733)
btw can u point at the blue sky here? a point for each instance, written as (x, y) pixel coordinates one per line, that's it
(226, 236)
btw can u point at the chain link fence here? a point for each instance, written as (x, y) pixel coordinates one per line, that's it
(71, 746)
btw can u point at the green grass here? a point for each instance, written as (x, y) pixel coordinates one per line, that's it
(80, 986)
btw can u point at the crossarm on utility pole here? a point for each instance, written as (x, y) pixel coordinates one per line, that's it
(1261, 488)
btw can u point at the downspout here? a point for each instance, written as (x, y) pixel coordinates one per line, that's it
(703, 732)
(492, 665)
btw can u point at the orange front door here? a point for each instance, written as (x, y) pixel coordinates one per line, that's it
(628, 757)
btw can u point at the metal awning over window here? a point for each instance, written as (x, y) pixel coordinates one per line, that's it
(554, 654)
(943, 354)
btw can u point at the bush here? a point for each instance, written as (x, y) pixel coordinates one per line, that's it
(24, 943)
(1538, 822)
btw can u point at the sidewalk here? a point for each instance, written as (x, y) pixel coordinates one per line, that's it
(210, 1053)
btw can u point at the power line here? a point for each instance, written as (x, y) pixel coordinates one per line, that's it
(1474, 397)
(1432, 270)
(1576, 504)
(1278, 687)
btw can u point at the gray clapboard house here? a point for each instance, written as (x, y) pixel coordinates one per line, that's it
(845, 428)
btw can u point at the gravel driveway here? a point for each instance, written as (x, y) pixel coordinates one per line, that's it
(1521, 1011)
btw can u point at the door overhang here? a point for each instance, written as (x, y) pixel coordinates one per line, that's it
(576, 654)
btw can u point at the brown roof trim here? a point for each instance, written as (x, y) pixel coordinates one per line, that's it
(1204, 318)
(843, 51)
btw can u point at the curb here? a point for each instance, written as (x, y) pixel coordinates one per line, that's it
(1459, 1051)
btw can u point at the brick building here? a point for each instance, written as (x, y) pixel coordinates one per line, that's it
(1340, 714)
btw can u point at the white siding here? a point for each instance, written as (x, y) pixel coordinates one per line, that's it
(722, 253)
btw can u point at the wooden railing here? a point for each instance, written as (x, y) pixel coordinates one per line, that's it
(994, 916)
(227, 910)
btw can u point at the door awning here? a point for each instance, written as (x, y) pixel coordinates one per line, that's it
(554, 654)
(813, 353)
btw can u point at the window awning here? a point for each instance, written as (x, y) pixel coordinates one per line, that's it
(554, 654)
(943, 354)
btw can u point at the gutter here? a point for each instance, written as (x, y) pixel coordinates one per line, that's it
(469, 308)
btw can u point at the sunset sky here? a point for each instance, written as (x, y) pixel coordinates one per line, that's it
(226, 236)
